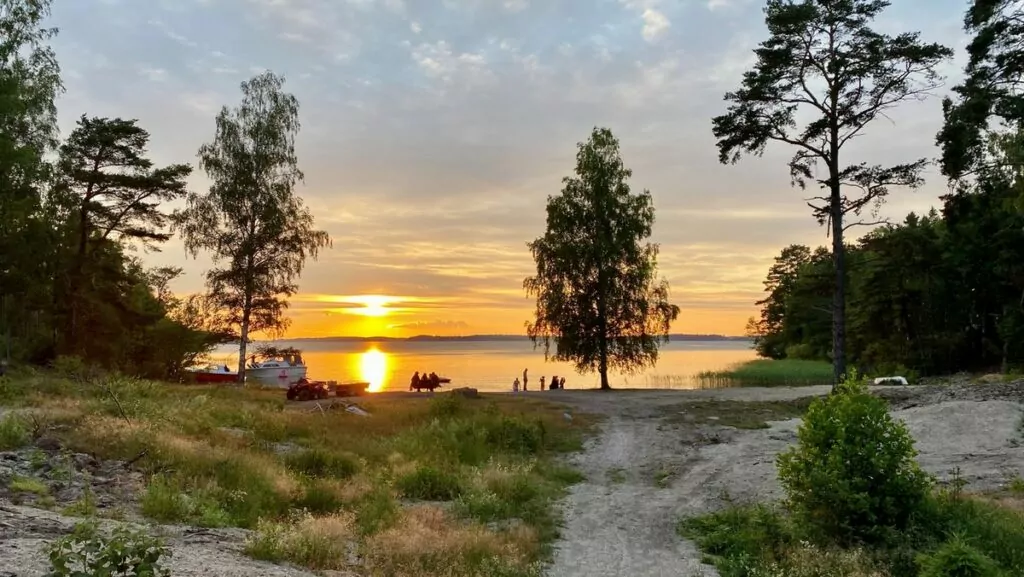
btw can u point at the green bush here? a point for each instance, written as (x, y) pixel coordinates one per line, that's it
(741, 541)
(88, 553)
(321, 463)
(958, 559)
(13, 432)
(516, 436)
(429, 484)
(853, 475)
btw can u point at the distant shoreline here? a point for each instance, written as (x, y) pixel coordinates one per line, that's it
(491, 338)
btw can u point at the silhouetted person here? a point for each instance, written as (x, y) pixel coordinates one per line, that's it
(435, 381)
(542, 382)
(554, 382)
(415, 384)
(524, 379)
(515, 385)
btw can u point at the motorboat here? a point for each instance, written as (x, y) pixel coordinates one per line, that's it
(280, 370)
(212, 374)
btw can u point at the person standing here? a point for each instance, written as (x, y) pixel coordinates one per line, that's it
(524, 379)
(542, 382)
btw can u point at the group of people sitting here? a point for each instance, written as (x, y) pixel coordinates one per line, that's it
(556, 383)
(431, 380)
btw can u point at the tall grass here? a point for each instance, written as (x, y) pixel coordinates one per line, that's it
(769, 373)
(307, 479)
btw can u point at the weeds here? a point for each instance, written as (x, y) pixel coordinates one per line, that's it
(770, 373)
(28, 485)
(224, 457)
(13, 432)
(88, 552)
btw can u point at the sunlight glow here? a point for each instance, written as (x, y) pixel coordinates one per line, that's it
(373, 368)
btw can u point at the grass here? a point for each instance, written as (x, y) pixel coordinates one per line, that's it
(769, 373)
(760, 540)
(28, 485)
(481, 475)
(13, 432)
(737, 414)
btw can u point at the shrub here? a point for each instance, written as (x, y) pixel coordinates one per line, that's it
(516, 436)
(28, 485)
(321, 463)
(13, 433)
(86, 552)
(313, 542)
(802, 352)
(958, 559)
(853, 474)
(429, 484)
(447, 405)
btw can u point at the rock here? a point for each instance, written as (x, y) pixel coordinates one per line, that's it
(991, 378)
(48, 443)
(468, 392)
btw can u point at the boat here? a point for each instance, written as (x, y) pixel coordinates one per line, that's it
(212, 374)
(280, 369)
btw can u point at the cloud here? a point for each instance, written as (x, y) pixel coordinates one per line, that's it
(433, 133)
(655, 24)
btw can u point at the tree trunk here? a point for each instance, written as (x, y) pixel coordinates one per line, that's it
(603, 367)
(839, 292)
(244, 333)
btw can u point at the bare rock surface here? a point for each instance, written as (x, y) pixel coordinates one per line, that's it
(645, 472)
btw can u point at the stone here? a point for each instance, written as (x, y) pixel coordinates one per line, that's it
(467, 392)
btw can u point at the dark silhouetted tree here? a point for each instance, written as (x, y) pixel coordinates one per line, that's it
(599, 300)
(820, 78)
(112, 191)
(990, 95)
(254, 226)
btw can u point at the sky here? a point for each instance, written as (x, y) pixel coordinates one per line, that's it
(433, 132)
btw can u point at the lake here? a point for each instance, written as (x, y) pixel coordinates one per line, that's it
(493, 365)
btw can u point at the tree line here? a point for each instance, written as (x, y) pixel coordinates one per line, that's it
(77, 215)
(935, 293)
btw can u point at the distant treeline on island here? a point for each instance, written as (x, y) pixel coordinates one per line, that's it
(492, 338)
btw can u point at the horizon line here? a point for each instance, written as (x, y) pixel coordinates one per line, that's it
(482, 336)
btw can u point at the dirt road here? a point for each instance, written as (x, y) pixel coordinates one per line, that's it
(664, 455)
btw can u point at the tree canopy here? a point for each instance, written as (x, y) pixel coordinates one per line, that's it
(820, 78)
(599, 300)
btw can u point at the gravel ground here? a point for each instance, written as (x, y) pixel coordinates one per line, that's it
(644, 473)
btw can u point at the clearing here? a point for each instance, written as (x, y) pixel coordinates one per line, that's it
(664, 455)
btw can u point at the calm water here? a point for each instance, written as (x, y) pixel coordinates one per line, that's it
(492, 366)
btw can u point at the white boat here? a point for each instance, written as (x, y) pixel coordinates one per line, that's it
(281, 372)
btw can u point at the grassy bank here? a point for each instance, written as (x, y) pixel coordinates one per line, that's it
(983, 537)
(422, 486)
(769, 373)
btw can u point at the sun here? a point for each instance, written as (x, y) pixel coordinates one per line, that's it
(373, 368)
(373, 305)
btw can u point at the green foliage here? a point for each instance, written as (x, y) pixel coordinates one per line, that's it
(13, 432)
(814, 93)
(258, 233)
(322, 463)
(28, 485)
(915, 285)
(853, 474)
(768, 373)
(598, 297)
(430, 484)
(89, 553)
(958, 559)
(165, 501)
(989, 95)
(740, 541)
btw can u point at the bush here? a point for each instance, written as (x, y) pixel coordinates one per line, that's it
(86, 552)
(515, 436)
(958, 559)
(853, 474)
(321, 463)
(315, 542)
(13, 433)
(429, 484)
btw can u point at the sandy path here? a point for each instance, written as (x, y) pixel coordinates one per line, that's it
(644, 473)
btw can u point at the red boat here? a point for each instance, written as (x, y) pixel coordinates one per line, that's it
(213, 374)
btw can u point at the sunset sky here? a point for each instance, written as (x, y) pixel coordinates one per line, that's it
(434, 130)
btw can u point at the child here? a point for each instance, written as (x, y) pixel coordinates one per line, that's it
(515, 385)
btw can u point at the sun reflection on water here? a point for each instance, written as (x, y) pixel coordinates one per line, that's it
(373, 368)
